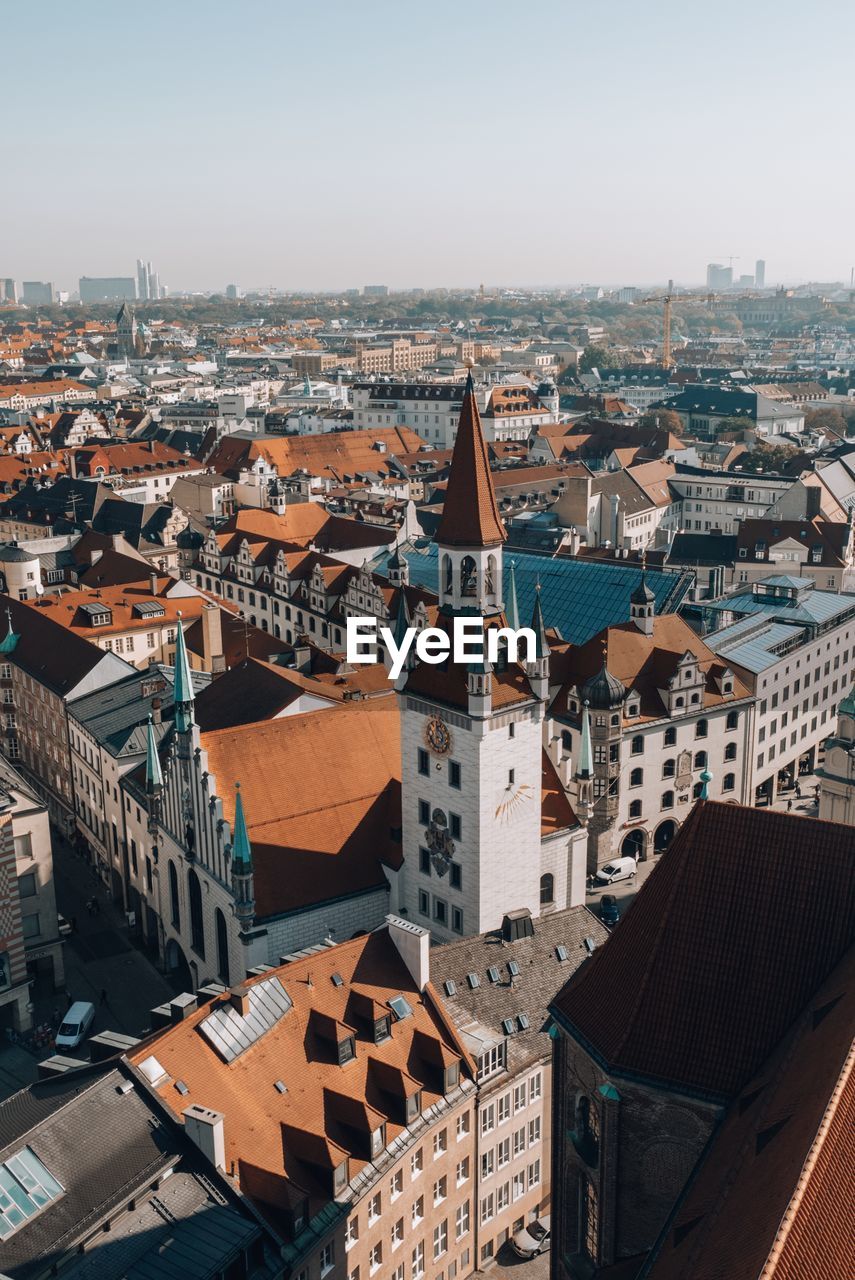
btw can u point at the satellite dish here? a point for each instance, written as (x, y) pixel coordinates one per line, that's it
(39, 589)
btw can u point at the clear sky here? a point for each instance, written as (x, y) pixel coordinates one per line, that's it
(329, 144)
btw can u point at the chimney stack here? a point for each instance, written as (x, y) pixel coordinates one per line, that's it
(240, 1000)
(212, 639)
(207, 1129)
(413, 945)
(156, 713)
(152, 583)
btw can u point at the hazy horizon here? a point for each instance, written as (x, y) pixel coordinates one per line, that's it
(519, 146)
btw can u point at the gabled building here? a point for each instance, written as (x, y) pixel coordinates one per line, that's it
(337, 1097)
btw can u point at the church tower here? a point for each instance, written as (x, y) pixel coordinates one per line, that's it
(126, 332)
(471, 734)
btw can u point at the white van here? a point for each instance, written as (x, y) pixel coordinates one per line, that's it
(617, 869)
(75, 1025)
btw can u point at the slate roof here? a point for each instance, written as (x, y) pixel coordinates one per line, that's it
(541, 973)
(116, 715)
(744, 917)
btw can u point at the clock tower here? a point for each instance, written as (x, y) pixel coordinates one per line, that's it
(471, 734)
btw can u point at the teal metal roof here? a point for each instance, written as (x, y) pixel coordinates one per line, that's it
(578, 597)
(755, 644)
(812, 607)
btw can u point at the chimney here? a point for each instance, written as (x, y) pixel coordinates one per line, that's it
(116, 540)
(72, 464)
(239, 997)
(156, 715)
(180, 1007)
(151, 445)
(212, 639)
(152, 583)
(413, 945)
(813, 496)
(302, 656)
(207, 1129)
(95, 556)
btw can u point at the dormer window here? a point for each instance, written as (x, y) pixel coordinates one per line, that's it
(382, 1030)
(378, 1140)
(346, 1050)
(339, 1178)
(451, 1077)
(414, 1106)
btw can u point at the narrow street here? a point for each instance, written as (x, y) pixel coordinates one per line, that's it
(101, 966)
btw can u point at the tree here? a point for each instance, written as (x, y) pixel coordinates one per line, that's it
(597, 357)
(825, 420)
(662, 420)
(771, 458)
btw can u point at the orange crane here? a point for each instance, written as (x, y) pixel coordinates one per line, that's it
(666, 299)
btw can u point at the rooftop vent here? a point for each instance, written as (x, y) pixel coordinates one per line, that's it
(473, 980)
(561, 953)
(513, 969)
(280, 1086)
(523, 1022)
(508, 1026)
(590, 946)
(517, 924)
(450, 987)
(337, 980)
(493, 973)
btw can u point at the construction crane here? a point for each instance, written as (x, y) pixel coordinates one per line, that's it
(666, 299)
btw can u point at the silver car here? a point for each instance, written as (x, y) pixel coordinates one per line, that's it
(533, 1239)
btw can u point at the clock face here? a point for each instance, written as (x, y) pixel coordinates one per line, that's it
(437, 736)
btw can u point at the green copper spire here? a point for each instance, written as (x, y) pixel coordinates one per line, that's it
(10, 641)
(153, 773)
(241, 848)
(183, 683)
(537, 626)
(706, 779)
(585, 763)
(512, 611)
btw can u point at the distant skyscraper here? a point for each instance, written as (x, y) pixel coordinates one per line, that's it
(232, 292)
(8, 290)
(107, 288)
(760, 274)
(35, 292)
(719, 277)
(376, 290)
(142, 279)
(153, 284)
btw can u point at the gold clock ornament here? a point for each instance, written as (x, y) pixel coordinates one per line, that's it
(438, 736)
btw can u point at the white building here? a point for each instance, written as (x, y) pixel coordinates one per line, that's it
(510, 411)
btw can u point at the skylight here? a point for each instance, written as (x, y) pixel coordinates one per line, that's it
(400, 1008)
(230, 1032)
(513, 969)
(508, 1026)
(450, 987)
(26, 1186)
(493, 973)
(523, 1022)
(562, 953)
(473, 980)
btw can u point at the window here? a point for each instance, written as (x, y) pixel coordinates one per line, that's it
(455, 825)
(424, 762)
(701, 729)
(424, 903)
(440, 1239)
(667, 800)
(636, 777)
(669, 768)
(374, 1209)
(351, 1233)
(27, 887)
(535, 1087)
(455, 875)
(534, 1131)
(488, 1119)
(416, 1163)
(637, 745)
(462, 1171)
(635, 809)
(397, 1233)
(462, 1125)
(518, 1185)
(454, 774)
(730, 751)
(487, 1164)
(396, 1184)
(488, 1208)
(700, 760)
(424, 813)
(375, 1259)
(732, 721)
(728, 782)
(440, 1143)
(503, 1153)
(461, 1220)
(534, 1174)
(519, 1140)
(418, 1211)
(327, 1258)
(520, 1097)
(457, 919)
(418, 1265)
(30, 927)
(670, 739)
(547, 889)
(197, 929)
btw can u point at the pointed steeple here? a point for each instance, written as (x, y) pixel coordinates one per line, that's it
(183, 695)
(153, 772)
(512, 611)
(402, 619)
(470, 516)
(241, 848)
(585, 762)
(539, 628)
(10, 641)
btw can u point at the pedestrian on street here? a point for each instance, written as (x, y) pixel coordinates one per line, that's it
(798, 790)
(789, 804)
(103, 999)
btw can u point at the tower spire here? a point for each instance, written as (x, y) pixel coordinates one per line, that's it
(512, 611)
(538, 670)
(241, 866)
(153, 772)
(183, 695)
(470, 516)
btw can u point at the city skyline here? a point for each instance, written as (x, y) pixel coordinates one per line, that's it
(501, 160)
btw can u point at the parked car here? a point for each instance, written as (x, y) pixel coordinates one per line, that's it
(75, 1025)
(617, 869)
(533, 1239)
(609, 913)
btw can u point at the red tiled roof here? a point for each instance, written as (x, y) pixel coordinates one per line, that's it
(470, 517)
(745, 916)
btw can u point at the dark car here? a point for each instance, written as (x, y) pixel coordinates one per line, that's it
(609, 913)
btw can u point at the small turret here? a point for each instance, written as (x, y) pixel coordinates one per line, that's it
(397, 569)
(512, 611)
(479, 686)
(642, 606)
(585, 770)
(153, 782)
(183, 694)
(243, 888)
(538, 670)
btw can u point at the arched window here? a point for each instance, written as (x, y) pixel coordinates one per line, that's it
(636, 777)
(701, 729)
(728, 782)
(547, 889)
(173, 896)
(635, 809)
(490, 577)
(615, 721)
(448, 574)
(670, 739)
(733, 720)
(700, 760)
(678, 702)
(197, 926)
(669, 768)
(696, 790)
(637, 745)
(668, 800)
(222, 947)
(730, 751)
(468, 577)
